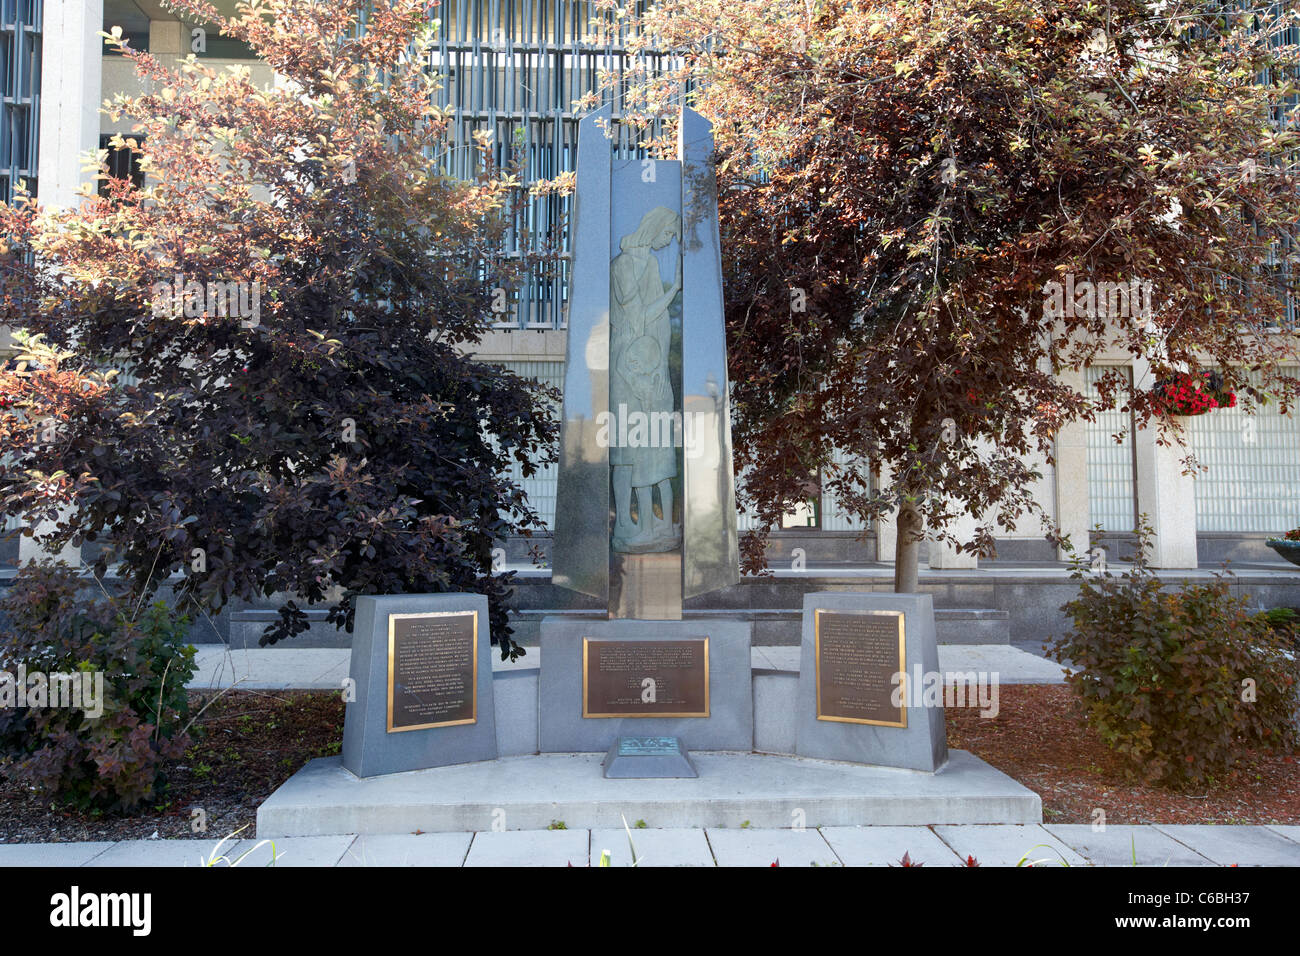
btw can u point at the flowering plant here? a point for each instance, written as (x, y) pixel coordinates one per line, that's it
(1193, 394)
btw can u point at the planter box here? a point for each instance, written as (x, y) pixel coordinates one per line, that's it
(1288, 549)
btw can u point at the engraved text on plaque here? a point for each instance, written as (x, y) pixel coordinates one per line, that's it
(645, 678)
(432, 669)
(859, 655)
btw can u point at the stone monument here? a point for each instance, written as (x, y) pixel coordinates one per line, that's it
(862, 658)
(422, 677)
(645, 503)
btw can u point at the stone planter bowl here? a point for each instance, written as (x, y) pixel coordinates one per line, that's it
(1288, 549)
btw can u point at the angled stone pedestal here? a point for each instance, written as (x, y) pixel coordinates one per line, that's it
(646, 758)
(442, 711)
(863, 660)
(719, 718)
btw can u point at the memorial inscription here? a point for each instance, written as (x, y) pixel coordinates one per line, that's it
(645, 678)
(648, 746)
(432, 670)
(859, 657)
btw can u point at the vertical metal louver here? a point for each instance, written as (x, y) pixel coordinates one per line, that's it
(20, 108)
(515, 67)
(1112, 472)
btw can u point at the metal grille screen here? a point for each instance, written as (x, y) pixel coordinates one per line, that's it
(515, 67)
(20, 74)
(541, 487)
(833, 518)
(1253, 479)
(1111, 479)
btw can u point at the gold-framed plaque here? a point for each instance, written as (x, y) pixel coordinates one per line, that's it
(861, 659)
(432, 670)
(668, 678)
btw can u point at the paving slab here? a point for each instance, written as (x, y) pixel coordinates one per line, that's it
(528, 793)
(270, 668)
(408, 849)
(885, 846)
(1118, 844)
(160, 853)
(529, 848)
(50, 854)
(1290, 832)
(846, 845)
(653, 847)
(292, 851)
(1011, 664)
(1240, 845)
(1007, 845)
(761, 847)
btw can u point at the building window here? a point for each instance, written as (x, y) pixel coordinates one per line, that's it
(1251, 484)
(122, 163)
(1112, 469)
(20, 90)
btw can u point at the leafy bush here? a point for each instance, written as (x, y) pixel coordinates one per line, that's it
(1283, 621)
(1182, 684)
(51, 623)
(325, 432)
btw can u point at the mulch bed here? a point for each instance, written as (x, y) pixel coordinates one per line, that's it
(254, 741)
(1039, 738)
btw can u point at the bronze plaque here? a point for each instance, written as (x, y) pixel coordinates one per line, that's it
(858, 655)
(432, 670)
(645, 678)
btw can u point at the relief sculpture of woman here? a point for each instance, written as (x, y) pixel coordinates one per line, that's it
(640, 385)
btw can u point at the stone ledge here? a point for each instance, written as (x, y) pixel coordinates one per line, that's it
(774, 627)
(531, 792)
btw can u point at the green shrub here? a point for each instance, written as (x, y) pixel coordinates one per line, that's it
(1181, 684)
(1283, 621)
(51, 623)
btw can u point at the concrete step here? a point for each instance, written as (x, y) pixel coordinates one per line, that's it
(732, 790)
(247, 627)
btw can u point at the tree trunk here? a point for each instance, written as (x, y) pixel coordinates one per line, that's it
(906, 550)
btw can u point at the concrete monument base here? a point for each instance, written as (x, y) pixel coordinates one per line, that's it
(727, 671)
(531, 793)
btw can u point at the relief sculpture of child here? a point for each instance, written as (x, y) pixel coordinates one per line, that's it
(640, 333)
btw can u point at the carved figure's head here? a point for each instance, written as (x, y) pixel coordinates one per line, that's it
(658, 227)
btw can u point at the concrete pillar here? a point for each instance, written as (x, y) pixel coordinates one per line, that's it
(29, 549)
(887, 525)
(1071, 473)
(944, 557)
(71, 83)
(1165, 494)
(168, 37)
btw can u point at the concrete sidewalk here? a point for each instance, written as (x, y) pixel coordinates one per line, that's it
(1051, 845)
(276, 668)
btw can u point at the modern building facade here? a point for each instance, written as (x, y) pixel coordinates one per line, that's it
(515, 67)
